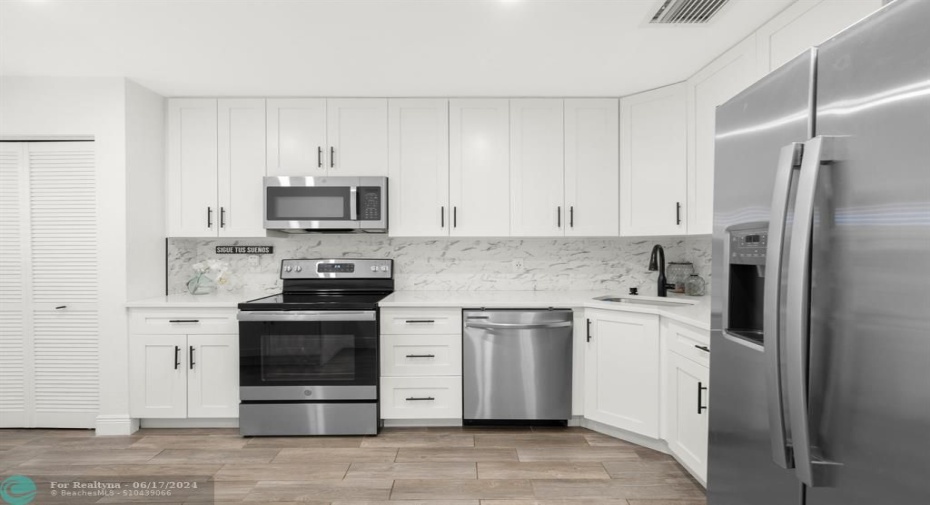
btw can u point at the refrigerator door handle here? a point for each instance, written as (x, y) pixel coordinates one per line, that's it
(788, 163)
(818, 152)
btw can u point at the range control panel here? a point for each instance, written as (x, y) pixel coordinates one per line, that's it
(349, 268)
(747, 246)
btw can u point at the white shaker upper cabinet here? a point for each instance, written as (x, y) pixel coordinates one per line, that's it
(357, 134)
(241, 125)
(296, 136)
(712, 86)
(192, 162)
(418, 131)
(479, 148)
(592, 167)
(537, 197)
(654, 163)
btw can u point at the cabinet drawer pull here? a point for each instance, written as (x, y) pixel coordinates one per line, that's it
(178, 321)
(421, 355)
(423, 399)
(420, 321)
(702, 347)
(61, 307)
(177, 357)
(701, 389)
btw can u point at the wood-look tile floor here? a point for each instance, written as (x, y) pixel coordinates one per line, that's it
(401, 466)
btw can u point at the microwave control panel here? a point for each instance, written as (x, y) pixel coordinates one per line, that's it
(369, 203)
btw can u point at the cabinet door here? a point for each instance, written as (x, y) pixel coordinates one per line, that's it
(192, 209)
(653, 162)
(158, 376)
(712, 86)
(212, 376)
(296, 136)
(419, 167)
(357, 133)
(537, 195)
(241, 144)
(479, 167)
(622, 371)
(592, 167)
(687, 399)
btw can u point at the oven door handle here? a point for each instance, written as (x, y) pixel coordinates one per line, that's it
(306, 315)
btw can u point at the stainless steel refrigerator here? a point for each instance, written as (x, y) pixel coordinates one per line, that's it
(820, 365)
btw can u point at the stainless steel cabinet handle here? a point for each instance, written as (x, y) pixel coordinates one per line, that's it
(308, 315)
(702, 347)
(518, 326)
(209, 217)
(191, 357)
(179, 321)
(332, 157)
(419, 321)
(319, 157)
(222, 217)
(788, 162)
(700, 407)
(423, 399)
(421, 355)
(817, 152)
(177, 357)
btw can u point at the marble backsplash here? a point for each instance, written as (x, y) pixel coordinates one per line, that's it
(550, 264)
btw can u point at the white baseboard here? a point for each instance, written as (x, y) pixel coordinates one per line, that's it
(647, 442)
(115, 425)
(417, 423)
(191, 423)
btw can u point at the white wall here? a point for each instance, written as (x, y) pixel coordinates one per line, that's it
(43, 107)
(145, 188)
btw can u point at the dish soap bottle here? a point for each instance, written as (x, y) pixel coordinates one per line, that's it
(695, 285)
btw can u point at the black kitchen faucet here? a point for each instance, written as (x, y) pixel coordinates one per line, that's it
(657, 262)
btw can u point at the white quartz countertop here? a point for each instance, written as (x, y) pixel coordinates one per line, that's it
(697, 315)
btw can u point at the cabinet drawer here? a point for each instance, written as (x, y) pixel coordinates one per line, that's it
(689, 342)
(421, 397)
(183, 322)
(420, 355)
(421, 321)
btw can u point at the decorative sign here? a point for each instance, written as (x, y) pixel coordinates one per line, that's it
(244, 249)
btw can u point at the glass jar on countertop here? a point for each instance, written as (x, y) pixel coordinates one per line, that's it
(695, 285)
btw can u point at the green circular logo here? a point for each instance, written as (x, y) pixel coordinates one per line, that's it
(18, 490)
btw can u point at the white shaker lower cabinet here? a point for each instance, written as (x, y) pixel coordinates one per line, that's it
(421, 363)
(181, 371)
(686, 393)
(622, 371)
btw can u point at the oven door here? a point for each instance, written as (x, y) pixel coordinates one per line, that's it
(308, 355)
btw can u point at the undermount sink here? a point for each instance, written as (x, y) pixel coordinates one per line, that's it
(646, 300)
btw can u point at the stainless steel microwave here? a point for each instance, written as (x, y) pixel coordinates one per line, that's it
(309, 204)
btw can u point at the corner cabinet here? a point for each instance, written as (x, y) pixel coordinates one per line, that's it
(654, 163)
(184, 363)
(216, 161)
(622, 370)
(331, 137)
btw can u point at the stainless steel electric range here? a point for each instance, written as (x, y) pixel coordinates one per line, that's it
(308, 357)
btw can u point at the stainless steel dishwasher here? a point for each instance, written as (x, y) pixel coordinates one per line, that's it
(517, 365)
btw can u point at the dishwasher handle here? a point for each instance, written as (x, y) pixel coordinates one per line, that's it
(518, 326)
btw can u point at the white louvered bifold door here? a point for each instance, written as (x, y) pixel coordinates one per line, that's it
(14, 367)
(63, 219)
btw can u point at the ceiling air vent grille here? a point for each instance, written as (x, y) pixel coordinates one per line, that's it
(687, 11)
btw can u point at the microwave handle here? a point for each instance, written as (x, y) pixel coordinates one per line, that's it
(353, 203)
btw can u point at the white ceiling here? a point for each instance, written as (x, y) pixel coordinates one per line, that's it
(368, 47)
